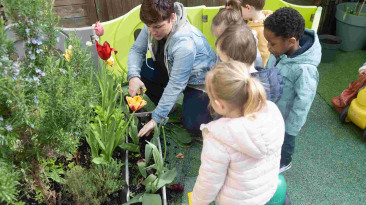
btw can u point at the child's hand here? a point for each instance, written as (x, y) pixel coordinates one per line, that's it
(363, 72)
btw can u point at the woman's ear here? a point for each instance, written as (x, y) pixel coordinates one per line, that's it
(172, 18)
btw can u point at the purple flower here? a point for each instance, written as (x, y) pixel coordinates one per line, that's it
(28, 79)
(63, 71)
(32, 125)
(29, 41)
(75, 74)
(43, 74)
(5, 58)
(34, 41)
(76, 133)
(8, 128)
(35, 100)
(27, 30)
(32, 57)
(29, 52)
(1, 118)
(38, 71)
(31, 22)
(39, 50)
(39, 42)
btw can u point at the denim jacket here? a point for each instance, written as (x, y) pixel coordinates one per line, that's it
(188, 57)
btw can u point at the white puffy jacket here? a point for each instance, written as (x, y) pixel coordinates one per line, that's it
(240, 159)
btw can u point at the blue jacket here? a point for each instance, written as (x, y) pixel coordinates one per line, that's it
(271, 80)
(188, 57)
(300, 78)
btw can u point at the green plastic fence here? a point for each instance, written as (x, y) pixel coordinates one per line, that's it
(120, 32)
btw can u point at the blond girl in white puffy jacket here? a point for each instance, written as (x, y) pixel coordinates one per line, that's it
(241, 152)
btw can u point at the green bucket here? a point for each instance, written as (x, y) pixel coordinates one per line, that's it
(352, 28)
(330, 44)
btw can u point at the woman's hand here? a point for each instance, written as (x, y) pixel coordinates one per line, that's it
(134, 85)
(148, 128)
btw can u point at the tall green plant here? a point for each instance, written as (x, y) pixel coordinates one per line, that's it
(44, 98)
(159, 178)
(109, 127)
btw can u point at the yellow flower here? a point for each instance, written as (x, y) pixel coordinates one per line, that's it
(67, 55)
(110, 61)
(135, 103)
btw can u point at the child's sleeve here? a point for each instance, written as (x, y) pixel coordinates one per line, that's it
(305, 83)
(212, 173)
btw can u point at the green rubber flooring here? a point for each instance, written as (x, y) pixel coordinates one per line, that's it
(329, 165)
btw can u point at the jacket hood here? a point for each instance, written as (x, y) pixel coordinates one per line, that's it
(250, 137)
(310, 51)
(180, 17)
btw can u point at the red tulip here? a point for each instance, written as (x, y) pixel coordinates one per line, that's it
(104, 51)
(98, 29)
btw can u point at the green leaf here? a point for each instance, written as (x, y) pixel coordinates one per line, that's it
(151, 178)
(130, 147)
(133, 130)
(99, 160)
(142, 168)
(178, 134)
(166, 178)
(136, 199)
(148, 153)
(151, 199)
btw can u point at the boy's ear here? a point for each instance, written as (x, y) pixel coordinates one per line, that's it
(292, 41)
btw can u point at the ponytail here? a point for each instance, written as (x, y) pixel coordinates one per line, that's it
(256, 96)
(231, 82)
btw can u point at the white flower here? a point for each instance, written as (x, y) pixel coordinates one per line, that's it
(1, 118)
(70, 47)
(8, 127)
(88, 43)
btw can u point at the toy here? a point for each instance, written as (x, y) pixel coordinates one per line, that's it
(279, 198)
(356, 112)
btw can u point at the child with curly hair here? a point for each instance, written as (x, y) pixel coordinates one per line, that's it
(296, 52)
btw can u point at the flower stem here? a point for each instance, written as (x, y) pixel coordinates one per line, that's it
(164, 145)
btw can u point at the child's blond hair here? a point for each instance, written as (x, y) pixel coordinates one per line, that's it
(238, 43)
(231, 82)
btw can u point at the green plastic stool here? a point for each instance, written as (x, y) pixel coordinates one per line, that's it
(280, 194)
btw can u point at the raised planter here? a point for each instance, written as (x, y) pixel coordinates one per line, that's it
(330, 44)
(352, 30)
(163, 189)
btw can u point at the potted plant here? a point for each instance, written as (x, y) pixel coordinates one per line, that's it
(351, 25)
(330, 44)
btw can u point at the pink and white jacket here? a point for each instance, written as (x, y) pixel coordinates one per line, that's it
(240, 159)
